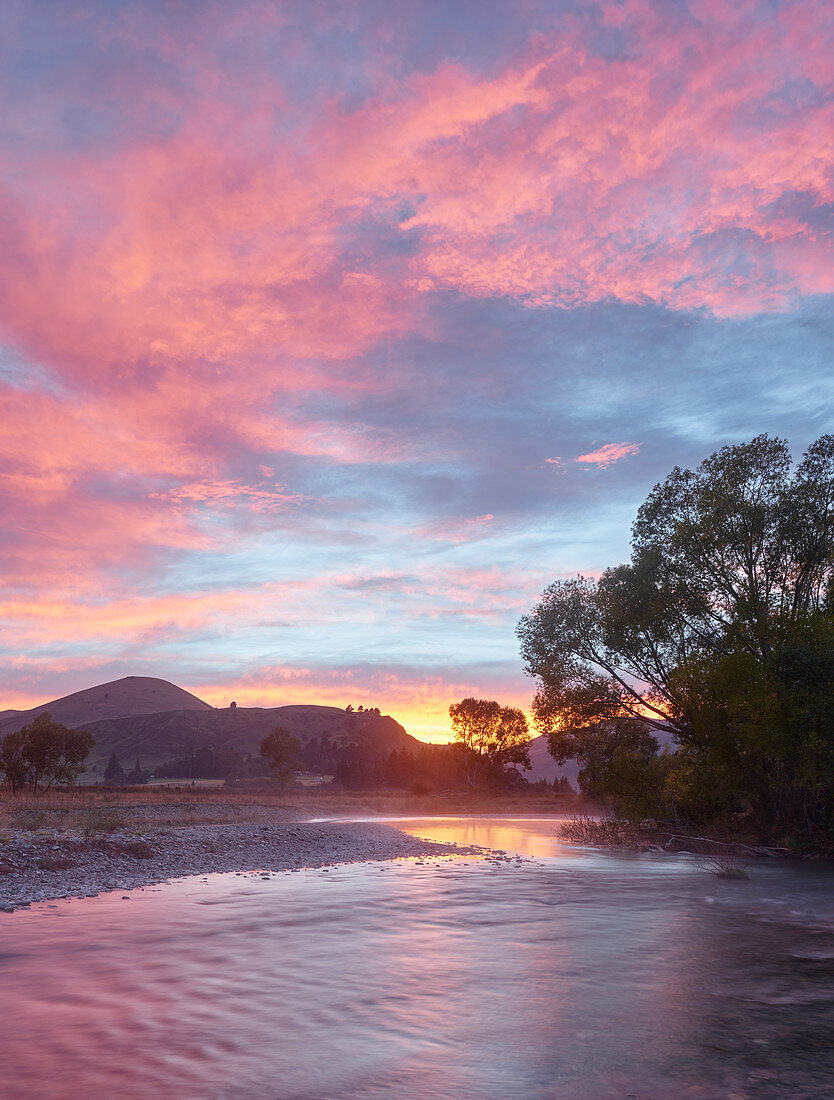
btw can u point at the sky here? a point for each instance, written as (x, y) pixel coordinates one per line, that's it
(331, 333)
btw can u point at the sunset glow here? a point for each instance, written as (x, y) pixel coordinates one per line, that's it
(331, 334)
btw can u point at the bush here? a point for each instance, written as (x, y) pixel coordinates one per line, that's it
(606, 832)
(139, 849)
(98, 820)
(47, 863)
(30, 819)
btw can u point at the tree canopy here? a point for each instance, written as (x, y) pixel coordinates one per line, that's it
(493, 737)
(44, 753)
(719, 629)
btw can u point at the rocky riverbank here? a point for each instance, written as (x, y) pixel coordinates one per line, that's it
(40, 867)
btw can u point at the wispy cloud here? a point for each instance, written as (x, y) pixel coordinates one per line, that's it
(608, 454)
(388, 261)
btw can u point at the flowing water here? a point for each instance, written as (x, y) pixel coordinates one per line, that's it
(569, 973)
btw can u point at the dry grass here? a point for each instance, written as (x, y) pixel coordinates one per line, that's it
(603, 832)
(96, 810)
(721, 859)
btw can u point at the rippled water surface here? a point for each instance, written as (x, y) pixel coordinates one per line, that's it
(571, 974)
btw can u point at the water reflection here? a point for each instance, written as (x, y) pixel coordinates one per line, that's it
(578, 975)
(532, 836)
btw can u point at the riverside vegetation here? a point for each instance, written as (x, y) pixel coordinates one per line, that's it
(717, 636)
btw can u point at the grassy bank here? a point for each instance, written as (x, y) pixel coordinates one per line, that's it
(103, 809)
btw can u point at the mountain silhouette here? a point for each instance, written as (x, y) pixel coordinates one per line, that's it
(126, 698)
(141, 716)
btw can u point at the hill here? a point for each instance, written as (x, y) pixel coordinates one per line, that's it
(158, 737)
(126, 698)
(545, 767)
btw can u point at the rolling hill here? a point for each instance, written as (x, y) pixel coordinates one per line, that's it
(545, 767)
(126, 698)
(141, 716)
(158, 737)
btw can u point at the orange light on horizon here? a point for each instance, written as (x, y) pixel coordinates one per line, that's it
(428, 722)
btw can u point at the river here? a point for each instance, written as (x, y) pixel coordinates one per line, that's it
(566, 973)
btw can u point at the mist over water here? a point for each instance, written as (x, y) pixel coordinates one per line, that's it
(573, 974)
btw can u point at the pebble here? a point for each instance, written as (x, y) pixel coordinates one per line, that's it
(120, 862)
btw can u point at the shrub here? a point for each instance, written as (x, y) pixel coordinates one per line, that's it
(95, 820)
(29, 819)
(606, 832)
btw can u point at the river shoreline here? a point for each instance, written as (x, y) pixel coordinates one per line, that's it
(37, 868)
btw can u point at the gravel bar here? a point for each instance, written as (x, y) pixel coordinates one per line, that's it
(37, 868)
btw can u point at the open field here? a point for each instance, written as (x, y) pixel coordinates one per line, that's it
(182, 804)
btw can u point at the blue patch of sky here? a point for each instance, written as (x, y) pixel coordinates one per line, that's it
(23, 374)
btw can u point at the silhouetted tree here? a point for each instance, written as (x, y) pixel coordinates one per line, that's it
(281, 751)
(13, 763)
(490, 735)
(54, 753)
(137, 776)
(114, 772)
(720, 629)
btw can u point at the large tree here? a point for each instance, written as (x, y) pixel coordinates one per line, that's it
(492, 737)
(13, 764)
(55, 754)
(44, 752)
(725, 559)
(724, 604)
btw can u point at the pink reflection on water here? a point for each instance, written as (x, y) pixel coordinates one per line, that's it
(574, 974)
(528, 836)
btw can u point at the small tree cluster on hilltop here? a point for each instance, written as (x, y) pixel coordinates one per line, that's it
(720, 629)
(44, 753)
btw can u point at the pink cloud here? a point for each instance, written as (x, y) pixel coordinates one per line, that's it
(418, 699)
(180, 281)
(460, 530)
(229, 493)
(563, 178)
(608, 454)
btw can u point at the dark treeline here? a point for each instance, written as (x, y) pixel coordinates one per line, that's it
(210, 763)
(431, 767)
(352, 767)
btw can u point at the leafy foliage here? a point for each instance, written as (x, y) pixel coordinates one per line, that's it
(492, 737)
(13, 763)
(719, 630)
(44, 753)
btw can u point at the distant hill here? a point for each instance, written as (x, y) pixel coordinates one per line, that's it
(126, 698)
(155, 738)
(545, 767)
(157, 721)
